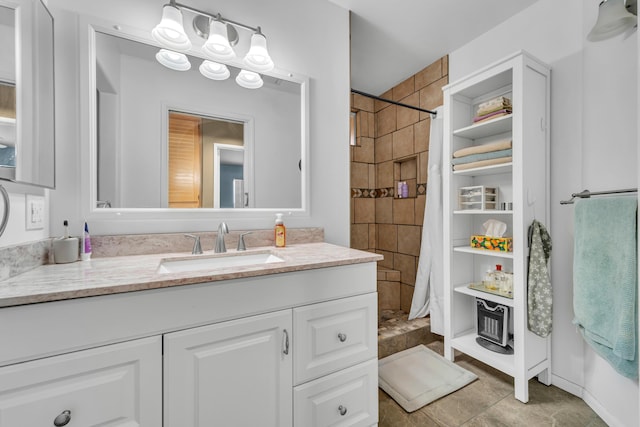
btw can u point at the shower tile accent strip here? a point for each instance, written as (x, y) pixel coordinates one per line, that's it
(378, 193)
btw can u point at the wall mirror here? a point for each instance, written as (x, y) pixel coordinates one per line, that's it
(169, 140)
(26, 93)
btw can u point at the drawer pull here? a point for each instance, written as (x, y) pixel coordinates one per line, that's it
(62, 419)
(342, 337)
(286, 342)
(342, 410)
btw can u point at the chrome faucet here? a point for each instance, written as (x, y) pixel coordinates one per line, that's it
(241, 245)
(220, 246)
(197, 248)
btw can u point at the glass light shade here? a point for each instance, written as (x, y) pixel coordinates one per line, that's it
(258, 57)
(170, 32)
(214, 71)
(173, 60)
(249, 79)
(217, 46)
(613, 19)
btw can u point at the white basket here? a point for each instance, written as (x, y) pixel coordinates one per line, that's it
(478, 197)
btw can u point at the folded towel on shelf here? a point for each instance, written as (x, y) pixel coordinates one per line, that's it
(486, 148)
(481, 156)
(605, 279)
(486, 111)
(498, 113)
(500, 101)
(481, 163)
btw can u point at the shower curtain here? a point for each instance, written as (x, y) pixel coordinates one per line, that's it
(428, 293)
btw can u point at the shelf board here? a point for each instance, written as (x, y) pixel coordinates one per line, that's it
(485, 252)
(465, 289)
(494, 127)
(486, 170)
(482, 212)
(466, 343)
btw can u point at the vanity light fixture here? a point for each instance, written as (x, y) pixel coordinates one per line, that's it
(249, 79)
(214, 70)
(170, 31)
(174, 60)
(614, 17)
(220, 35)
(258, 57)
(217, 46)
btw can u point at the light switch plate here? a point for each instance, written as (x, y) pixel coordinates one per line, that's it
(35, 212)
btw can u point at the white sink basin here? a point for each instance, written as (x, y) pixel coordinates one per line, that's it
(240, 259)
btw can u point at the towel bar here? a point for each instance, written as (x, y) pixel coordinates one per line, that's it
(585, 194)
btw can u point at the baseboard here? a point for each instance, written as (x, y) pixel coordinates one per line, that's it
(567, 386)
(606, 416)
(580, 392)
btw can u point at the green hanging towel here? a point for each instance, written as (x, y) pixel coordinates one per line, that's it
(539, 293)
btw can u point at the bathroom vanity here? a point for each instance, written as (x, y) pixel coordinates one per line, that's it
(112, 341)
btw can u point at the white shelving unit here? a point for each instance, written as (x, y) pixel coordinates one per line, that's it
(524, 182)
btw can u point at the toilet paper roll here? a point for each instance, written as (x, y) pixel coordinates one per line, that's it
(65, 250)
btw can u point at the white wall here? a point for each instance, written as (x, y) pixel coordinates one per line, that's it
(593, 145)
(298, 41)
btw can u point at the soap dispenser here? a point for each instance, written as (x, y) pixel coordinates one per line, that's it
(280, 232)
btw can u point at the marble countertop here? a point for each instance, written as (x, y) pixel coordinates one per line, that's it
(103, 276)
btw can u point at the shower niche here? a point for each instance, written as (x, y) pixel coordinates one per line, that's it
(496, 120)
(405, 177)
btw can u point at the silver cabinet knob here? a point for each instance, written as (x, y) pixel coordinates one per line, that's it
(342, 337)
(342, 410)
(62, 419)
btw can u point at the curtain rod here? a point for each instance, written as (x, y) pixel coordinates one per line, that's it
(368, 95)
(585, 194)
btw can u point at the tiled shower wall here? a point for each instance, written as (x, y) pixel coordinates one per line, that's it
(393, 145)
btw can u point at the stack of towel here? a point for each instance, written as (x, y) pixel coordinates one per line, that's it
(482, 155)
(492, 109)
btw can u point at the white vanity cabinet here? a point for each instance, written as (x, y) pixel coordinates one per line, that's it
(114, 385)
(230, 373)
(335, 363)
(296, 348)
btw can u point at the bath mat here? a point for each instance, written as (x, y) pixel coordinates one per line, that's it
(418, 376)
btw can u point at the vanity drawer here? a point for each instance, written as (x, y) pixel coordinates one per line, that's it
(115, 385)
(345, 398)
(334, 335)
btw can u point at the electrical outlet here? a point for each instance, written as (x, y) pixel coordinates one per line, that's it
(35, 212)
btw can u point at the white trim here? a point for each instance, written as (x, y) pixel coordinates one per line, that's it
(567, 386)
(578, 391)
(216, 169)
(610, 419)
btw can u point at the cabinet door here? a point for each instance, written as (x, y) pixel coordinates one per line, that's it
(236, 373)
(333, 335)
(345, 398)
(115, 385)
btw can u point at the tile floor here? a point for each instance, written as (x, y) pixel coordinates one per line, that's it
(486, 402)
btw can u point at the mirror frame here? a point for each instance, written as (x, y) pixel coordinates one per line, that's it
(17, 6)
(88, 151)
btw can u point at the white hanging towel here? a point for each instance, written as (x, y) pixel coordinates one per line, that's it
(428, 294)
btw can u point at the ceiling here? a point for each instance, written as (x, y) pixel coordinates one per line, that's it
(393, 40)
